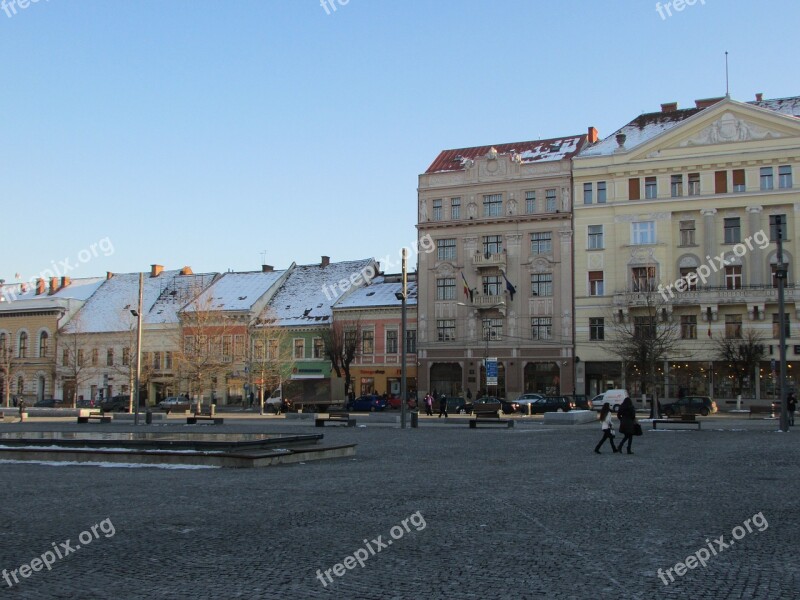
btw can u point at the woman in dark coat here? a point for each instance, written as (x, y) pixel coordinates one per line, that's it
(627, 423)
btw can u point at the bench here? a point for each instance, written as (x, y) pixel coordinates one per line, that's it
(762, 410)
(680, 420)
(335, 416)
(100, 418)
(488, 414)
(193, 419)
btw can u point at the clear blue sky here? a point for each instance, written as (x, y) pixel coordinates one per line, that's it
(192, 132)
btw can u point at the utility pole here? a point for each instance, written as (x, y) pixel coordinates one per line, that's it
(781, 270)
(139, 349)
(403, 380)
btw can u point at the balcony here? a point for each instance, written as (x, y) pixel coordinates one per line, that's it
(707, 295)
(483, 301)
(483, 261)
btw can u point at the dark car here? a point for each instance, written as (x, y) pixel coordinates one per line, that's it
(173, 403)
(457, 405)
(525, 400)
(507, 406)
(367, 403)
(117, 403)
(582, 402)
(552, 404)
(49, 403)
(690, 405)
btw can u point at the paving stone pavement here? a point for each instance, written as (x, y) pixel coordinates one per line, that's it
(529, 512)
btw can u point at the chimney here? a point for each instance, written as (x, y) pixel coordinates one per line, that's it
(592, 137)
(39, 286)
(759, 97)
(155, 270)
(669, 107)
(53, 285)
(326, 260)
(267, 268)
(706, 102)
(65, 281)
(621, 137)
(187, 271)
(109, 275)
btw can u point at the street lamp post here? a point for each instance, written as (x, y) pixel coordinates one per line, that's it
(139, 349)
(403, 297)
(781, 271)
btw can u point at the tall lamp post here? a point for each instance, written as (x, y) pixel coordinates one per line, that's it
(781, 271)
(138, 314)
(403, 297)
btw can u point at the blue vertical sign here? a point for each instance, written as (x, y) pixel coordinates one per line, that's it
(491, 371)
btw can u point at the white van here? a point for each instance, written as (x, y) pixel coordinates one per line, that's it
(613, 397)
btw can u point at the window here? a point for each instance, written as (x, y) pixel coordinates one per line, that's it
(446, 249)
(391, 341)
(595, 237)
(542, 243)
(777, 223)
(776, 325)
(542, 328)
(733, 277)
(168, 360)
(644, 327)
(550, 200)
(80, 358)
(2, 344)
(126, 356)
(766, 178)
(530, 202)
(493, 205)
(774, 268)
(595, 283)
(676, 186)
(492, 329)
(689, 276)
(446, 288)
(299, 348)
(367, 341)
(601, 192)
(738, 180)
(634, 191)
(258, 350)
(227, 348)
(156, 361)
(492, 244)
(20, 385)
(687, 233)
(650, 188)
(22, 350)
(95, 357)
(65, 358)
(446, 330)
(318, 348)
(643, 232)
(455, 208)
(44, 340)
(437, 210)
(733, 230)
(541, 284)
(597, 328)
(721, 182)
(688, 327)
(785, 177)
(643, 279)
(273, 349)
(110, 357)
(238, 346)
(733, 326)
(492, 285)
(694, 184)
(587, 193)
(411, 341)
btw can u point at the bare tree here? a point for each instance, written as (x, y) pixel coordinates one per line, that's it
(268, 358)
(75, 359)
(644, 339)
(342, 343)
(743, 355)
(7, 364)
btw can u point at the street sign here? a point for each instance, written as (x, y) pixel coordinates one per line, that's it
(491, 371)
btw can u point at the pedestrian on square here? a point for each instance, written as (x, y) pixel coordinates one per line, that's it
(627, 423)
(608, 429)
(442, 405)
(428, 404)
(791, 405)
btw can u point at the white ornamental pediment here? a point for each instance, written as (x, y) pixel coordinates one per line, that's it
(730, 128)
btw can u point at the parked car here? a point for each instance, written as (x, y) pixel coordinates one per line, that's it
(49, 403)
(582, 402)
(552, 404)
(457, 405)
(613, 397)
(394, 402)
(525, 400)
(367, 403)
(690, 405)
(507, 406)
(117, 403)
(177, 403)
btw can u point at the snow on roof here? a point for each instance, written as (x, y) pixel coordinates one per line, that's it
(108, 309)
(378, 293)
(786, 106)
(527, 152)
(236, 291)
(23, 296)
(306, 296)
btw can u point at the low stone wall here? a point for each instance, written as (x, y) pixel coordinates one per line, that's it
(572, 417)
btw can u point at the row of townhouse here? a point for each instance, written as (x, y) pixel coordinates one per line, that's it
(545, 249)
(215, 336)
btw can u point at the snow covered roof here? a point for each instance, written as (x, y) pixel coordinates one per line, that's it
(23, 296)
(647, 126)
(379, 293)
(236, 291)
(108, 309)
(309, 291)
(527, 152)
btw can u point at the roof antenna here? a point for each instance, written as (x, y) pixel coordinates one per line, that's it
(727, 88)
(263, 257)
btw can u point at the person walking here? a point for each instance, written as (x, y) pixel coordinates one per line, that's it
(428, 404)
(791, 405)
(442, 405)
(627, 423)
(608, 429)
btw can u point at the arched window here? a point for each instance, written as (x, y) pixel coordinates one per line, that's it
(44, 340)
(23, 345)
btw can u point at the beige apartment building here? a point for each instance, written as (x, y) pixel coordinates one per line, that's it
(692, 199)
(498, 282)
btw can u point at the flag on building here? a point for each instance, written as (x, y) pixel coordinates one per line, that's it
(467, 290)
(511, 289)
